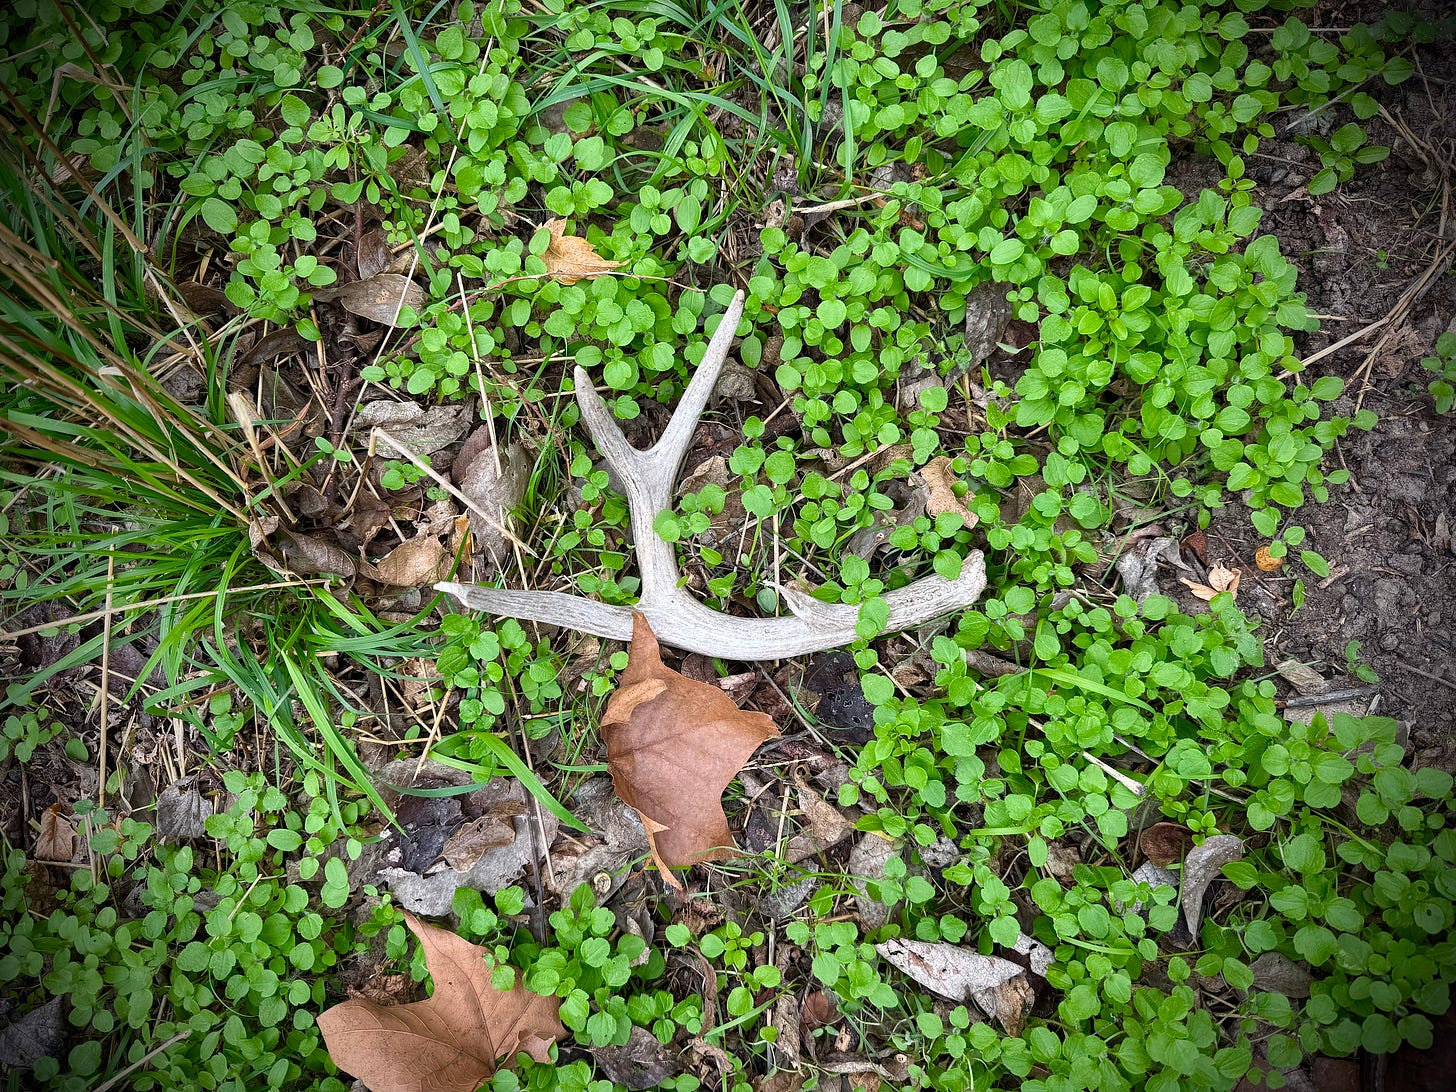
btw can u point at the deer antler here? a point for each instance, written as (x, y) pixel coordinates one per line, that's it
(676, 617)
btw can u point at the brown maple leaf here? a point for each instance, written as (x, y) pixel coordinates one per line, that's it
(570, 258)
(453, 1041)
(672, 747)
(1219, 579)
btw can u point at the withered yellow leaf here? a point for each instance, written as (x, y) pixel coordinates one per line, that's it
(570, 258)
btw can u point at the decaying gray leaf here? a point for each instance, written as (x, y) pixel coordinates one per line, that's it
(988, 312)
(786, 900)
(40, 1033)
(182, 811)
(1302, 677)
(1036, 952)
(961, 974)
(491, 831)
(374, 255)
(1280, 974)
(379, 298)
(642, 1063)
(1153, 876)
(418, 430)
(1201, 868)
(494, 483)
(310, 555)
(496, 867)
(299, 554)
(1138, 565)
(867, 862)
(826, 826)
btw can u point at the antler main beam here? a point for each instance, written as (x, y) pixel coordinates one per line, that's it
(676, 617)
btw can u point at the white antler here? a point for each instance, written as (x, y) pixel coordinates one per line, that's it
(675, 616)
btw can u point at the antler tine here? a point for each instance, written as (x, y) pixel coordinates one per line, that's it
(647, 477)
(673, 445)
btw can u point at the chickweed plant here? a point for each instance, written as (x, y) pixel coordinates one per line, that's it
(880, 178)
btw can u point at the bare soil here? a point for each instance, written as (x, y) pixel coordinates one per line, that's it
(1380, 247)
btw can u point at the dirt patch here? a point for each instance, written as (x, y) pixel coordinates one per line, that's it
(1378, 248)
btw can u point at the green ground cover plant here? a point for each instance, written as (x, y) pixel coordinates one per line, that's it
(971, 156)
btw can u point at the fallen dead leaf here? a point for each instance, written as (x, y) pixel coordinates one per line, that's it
(57, 838)
(1281, 974)
(1220, 579)
(182, 811)
(414, 563)
(451, 1042)
(1165, 843)
(1201, 868)
(943, 500)
(1266, 561)
(373, 255)
(40, 1033)
(570, 258)
(961, 974)
(988, 312)
(491, 831)
(494, 482)
(380, 298)
(642, 1063)
(672, 747)
(420, 431)
(867, 862)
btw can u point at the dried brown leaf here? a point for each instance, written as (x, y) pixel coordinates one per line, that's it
(421, 560)
(672, 747)
(374, 255)
(570, 258)
(451, 1042)
(1220, 579)
(57, 838)
(939, 478)
(491, 831)
(380, 298)
(1165, 843)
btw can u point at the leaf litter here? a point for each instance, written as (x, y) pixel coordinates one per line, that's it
(673, 745)
(453, 1041)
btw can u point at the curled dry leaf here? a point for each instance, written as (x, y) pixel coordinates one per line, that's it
(57, 838)
(939, 479)
(1201, 868)
(380, 298)
(1220, 579)
(672, 747)
(570, 258)
(492, 830)
(452, 1042)
(997, 985)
